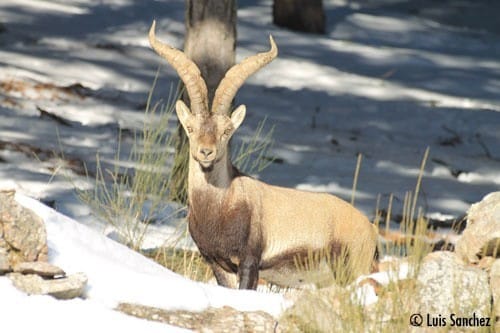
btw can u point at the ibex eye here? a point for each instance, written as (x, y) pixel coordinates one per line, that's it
(189, 129)
(227, 132)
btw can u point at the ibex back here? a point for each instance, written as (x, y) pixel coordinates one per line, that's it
(242, 226)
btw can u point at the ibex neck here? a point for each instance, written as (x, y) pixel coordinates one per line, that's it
(217, 179)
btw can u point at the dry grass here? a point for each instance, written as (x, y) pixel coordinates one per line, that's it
(120, 195)
(338, 308)
(188, 263)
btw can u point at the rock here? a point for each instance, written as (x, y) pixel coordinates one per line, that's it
(43, 269)
(225, 319)
(495, 290)
(316, 311)
(445, 285)
(22, 232)
(4, 262)
(68, 287)
(481, 237)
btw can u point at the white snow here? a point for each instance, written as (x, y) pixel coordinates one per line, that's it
(381, 82)
(46, 314)
(116, 274)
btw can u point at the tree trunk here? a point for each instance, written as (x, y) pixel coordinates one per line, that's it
(210, 42)
(300, 15)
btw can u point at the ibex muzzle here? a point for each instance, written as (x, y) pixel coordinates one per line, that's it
(244, 227)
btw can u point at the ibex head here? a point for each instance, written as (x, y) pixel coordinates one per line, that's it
(209, 130)
(208, 136)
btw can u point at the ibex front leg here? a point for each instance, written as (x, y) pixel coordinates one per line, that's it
(248, 272)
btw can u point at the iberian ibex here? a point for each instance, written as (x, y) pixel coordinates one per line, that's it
(243, 226)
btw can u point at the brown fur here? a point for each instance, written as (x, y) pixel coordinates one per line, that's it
(221, 229)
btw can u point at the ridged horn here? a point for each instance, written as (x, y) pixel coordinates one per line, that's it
(187, 71)
(237, 75)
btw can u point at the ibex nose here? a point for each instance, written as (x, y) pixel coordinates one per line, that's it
(206, 152)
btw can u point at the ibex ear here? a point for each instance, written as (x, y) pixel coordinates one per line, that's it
(238, 116)
(183, 113)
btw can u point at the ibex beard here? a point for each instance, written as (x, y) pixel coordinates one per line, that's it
(243, 227)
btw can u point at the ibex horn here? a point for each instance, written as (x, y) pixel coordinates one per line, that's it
(237, 75)
(187, 71)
